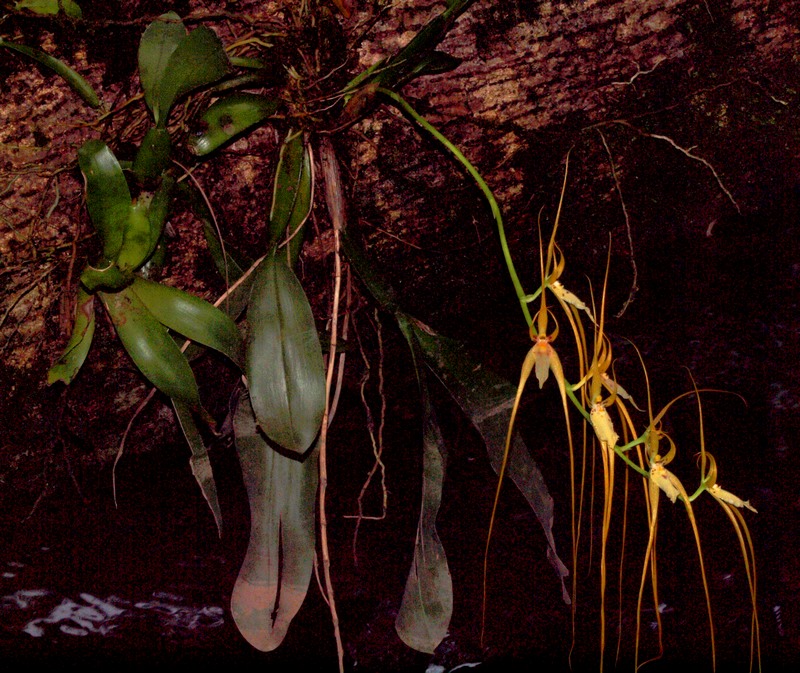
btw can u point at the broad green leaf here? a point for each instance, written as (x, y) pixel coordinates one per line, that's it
(79, 343)
(110, 278)
(151, 347)
(487, 400)
(153, 155)
(199, 462)
(284, 367)
(274, 577)
(229, 117)
(424, 615)
(138, 240)
(192, 317)
(292, 195)
(144, 227)
(198, 60)
(159, 41)
(78, 83)
(50, 7)
(107, 195)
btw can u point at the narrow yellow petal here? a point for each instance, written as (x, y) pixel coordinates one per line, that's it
(542, 352)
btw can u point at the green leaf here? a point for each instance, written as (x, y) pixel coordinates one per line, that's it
(402, 66)
(292, 193)
(80, 342)
(192, 317)
(153, 155)
(199, 462)
(424, 615)
(138, 240)
(274, 577)
(198, 60)
(381, 292)
(487, 400)
(284, 367)
(107, 195)
(229, 117)
(159, 40)
(145, 224)
(50, 7)
(151, 347)
(111, 278)
(79, 84)
(435, 63)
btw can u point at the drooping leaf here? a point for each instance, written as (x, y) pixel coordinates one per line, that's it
(427, 606)
(198, 60)
(80, 342)
(70, 7)
(487, 400)
(159, 40)
(284, 367)
(229, 117)
(483, 396)
(151, 347)
(107, 195)
(292, 194)
(274, 577)
(199, 462)
(153, 154)
(78, 84)
(192, 317)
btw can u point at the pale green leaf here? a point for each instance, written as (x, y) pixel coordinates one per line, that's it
(151, 347)
(292, 193)
(229, 117)
(159, 41)
(198, 60)
(487, 400)
(70, 7)
(108, 198)
(424, 615)
(284, 366)
(192, 317)
(274, 577)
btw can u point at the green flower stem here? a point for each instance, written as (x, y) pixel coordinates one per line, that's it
(700, 489)
(621, 453)
(498, 218)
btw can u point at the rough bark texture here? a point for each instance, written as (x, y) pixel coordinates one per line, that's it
(680, 118)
